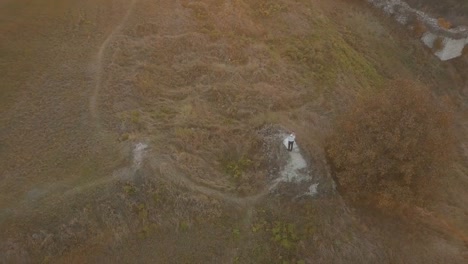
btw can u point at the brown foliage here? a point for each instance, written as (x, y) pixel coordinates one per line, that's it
(443, 23)
(390, 146)
(438, 44)
(419, 28)
(465, 51)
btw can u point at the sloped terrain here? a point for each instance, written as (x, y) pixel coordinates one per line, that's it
(151, 131)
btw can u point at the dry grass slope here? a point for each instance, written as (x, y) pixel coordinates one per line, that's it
(200, 82)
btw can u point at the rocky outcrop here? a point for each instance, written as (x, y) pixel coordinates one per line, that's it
(447, 43)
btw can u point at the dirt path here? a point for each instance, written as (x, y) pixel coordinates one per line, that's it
(100, 56)
(53, 129)
(47, 136)
(295, 171)
(170, 173)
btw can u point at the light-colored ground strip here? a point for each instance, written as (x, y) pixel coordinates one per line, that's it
(93, 102)
(138, 154)
(313, 190)
(295, 171)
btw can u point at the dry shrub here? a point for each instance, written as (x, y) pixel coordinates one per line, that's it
(419, 28)
(438, 44)
(268, 8)
(390, 146)
(465, 51)
(443, 23)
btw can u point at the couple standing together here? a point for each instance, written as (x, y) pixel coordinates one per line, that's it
(291, 138)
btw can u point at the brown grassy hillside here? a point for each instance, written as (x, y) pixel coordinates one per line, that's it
(208, 86)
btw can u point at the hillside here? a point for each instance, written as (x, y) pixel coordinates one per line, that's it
(151, 132)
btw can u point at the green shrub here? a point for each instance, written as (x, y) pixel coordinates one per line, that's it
(285, 235)
(236, 168)
(269, 8)
(130, 189)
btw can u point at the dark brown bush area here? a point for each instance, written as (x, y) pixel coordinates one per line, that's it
(391, 146)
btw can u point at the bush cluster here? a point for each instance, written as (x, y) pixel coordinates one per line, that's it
(444, 23)
(391, 146)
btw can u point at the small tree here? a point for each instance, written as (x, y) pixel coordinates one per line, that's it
(390, 146)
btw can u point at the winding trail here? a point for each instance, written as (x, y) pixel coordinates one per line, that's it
(93, 102)
(295, 171)
(172, 174)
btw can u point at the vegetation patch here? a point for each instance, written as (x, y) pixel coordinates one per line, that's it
(269, 8)
(285, 235)
(419, 28)
(329, 59)
(439, 44)
(391, 146)
(130, 189)
(238, 167)
(444, 23)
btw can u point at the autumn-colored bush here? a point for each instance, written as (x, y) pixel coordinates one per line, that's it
(390, 146)
(465, 51)
(438, 44)
(419, 28)
(443, 23)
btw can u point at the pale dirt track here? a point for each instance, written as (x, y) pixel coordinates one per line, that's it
(49, 140)
(93, 102)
